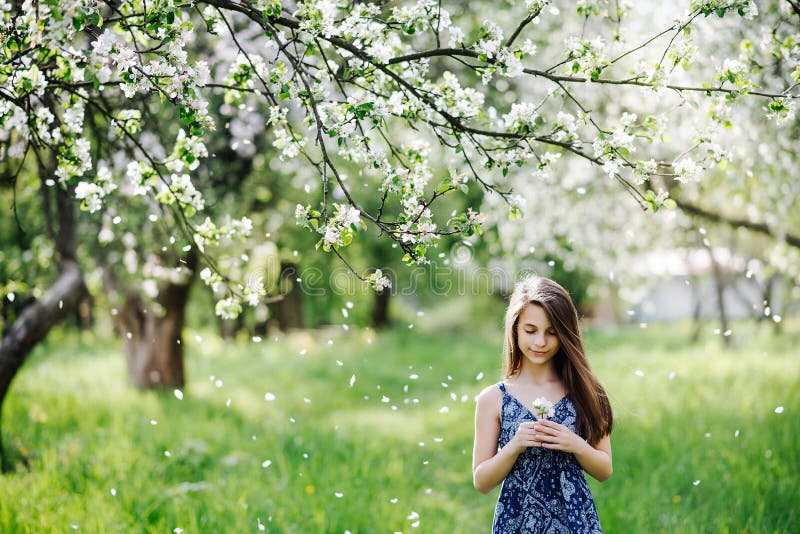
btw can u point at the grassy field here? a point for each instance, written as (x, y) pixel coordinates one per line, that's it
(372, 432)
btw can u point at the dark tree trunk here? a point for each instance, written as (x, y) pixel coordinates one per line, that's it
(697, 311)
(153, 342)
(34, 324)
(380, 310)
(229, 327)
(288, 311)
(60, 300)
(719, 287)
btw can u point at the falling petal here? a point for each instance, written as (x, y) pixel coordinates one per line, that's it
(708, 434)
(768, 453)
(779, 409)
(438, 440)
(260, 525)
(352, 380)
(339, 363)
(269, 397)
(256, 339)
(228, 403)
(639, 372)
(696, 482)
(385, 399)
(736, 434)
(642, 325)
(153, 422)
(727, 332)
(672, 375)
(266, 463)
(480, 376)
(338, 495)
(444, 409)
(393, 500)
(178, 394)
(414, 376)
(218, 383)
(349, 305)
(303, 351)
(444, 385)
(113, 492)
(167, 454)
(428, 491)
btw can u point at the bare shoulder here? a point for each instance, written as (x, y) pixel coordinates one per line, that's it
(490, 398)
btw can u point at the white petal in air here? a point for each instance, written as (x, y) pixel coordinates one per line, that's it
(269, 397)
(352, 380)
(178, 394)
(779, 409)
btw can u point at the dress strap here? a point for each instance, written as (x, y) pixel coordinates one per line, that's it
(502, 386)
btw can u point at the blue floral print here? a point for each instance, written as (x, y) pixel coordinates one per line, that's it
(546, 490)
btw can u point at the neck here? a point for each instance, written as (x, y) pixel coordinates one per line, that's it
(539, 374)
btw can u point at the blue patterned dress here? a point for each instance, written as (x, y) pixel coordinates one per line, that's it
(545, 491)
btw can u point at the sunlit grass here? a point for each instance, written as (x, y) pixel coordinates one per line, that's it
(698, 446)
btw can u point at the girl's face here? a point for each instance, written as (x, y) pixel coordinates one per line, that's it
(536, 338)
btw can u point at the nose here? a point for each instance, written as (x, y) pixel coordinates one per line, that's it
(539, 339)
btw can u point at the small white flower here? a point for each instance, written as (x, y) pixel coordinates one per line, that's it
(543, 408)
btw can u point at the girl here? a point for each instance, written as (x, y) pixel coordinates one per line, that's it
(539, 461)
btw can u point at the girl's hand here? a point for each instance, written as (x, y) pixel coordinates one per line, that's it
(550, 435)
(524, 438)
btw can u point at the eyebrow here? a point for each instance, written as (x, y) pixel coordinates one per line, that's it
(536, 325)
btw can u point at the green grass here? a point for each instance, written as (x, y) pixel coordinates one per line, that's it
(347, 460)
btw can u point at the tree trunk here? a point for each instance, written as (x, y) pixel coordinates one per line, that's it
(719, 286)
(288, 311)
(380, 310)
(31, 327)
(153, 341)
(60, 300)
(697, 311)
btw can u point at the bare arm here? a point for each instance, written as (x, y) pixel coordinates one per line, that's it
(595, 460)
(490, 466)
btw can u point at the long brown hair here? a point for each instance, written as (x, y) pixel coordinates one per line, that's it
(594, 416)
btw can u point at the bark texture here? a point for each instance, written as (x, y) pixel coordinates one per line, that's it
(288, 311)
(31, 327)
(153, 341)
(380, 309)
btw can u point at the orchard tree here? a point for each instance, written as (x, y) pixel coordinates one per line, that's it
(123, 98)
